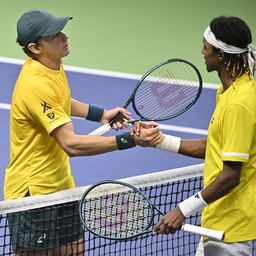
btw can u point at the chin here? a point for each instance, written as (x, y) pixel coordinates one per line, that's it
(66, 54)
(208, 69)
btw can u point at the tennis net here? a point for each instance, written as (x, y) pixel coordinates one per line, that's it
(165, 189)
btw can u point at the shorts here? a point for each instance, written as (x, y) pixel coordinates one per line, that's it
(213, 248)
(45, 228)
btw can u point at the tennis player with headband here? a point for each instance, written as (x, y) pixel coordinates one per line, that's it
(228, 200)
(42, 138)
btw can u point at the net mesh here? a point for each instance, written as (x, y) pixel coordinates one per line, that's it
(165, 189)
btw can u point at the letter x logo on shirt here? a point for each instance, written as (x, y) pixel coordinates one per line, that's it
(45, 107)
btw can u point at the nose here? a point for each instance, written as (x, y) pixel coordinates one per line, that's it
(64, 36)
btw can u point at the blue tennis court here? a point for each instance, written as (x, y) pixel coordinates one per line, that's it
(109, 90)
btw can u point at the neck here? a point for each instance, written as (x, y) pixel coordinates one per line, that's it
(226, 82)
(51, 64)
(225, 78)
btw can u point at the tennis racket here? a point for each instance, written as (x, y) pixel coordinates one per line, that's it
(164, 92)
(119, 211)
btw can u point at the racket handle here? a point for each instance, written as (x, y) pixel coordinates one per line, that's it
(213, 234)
(101, 130)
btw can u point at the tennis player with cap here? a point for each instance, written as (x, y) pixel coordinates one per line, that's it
(42, 138)
(228, 199)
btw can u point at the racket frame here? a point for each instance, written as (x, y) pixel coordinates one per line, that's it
(196, 230)
(131, 99)
(144, 231)
(107, 127)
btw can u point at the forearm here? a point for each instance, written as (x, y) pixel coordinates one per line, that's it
(193, 148)
(88, 111)
(92, 145)
(86, 145)
(79, 109)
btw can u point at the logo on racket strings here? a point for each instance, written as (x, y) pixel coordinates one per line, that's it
(112, 211)
(168, 95)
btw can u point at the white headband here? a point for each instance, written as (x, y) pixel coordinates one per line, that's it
(211, 39)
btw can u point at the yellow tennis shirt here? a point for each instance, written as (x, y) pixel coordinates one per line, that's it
(41, 102)
(232, 137)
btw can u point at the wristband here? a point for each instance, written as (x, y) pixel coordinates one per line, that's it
(169, 143)
(95, 113)
(124, 141)
(192, 205)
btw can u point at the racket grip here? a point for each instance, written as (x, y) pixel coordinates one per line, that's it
(213, 234)
(101, 130)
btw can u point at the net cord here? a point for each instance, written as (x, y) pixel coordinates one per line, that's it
(75, 194)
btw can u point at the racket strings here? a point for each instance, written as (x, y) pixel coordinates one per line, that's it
(167, 91)
(117, 214)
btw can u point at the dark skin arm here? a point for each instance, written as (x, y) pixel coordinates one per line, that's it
(228, 179)
(194, 148)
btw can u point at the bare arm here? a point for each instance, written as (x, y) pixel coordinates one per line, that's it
(87, 145)
(194, 148)
(82, 145)
(79, 109)
(225, 182)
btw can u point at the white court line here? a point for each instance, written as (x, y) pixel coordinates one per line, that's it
(118, 75)
(97, 72)
(5, 106)
(162, 126)
(182, 129)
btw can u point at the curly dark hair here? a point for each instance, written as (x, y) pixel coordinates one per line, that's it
(233, 31)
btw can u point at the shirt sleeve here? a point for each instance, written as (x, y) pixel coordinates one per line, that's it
(47, 108)
(237, 134)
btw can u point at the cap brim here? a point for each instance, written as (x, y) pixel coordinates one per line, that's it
(56, 26)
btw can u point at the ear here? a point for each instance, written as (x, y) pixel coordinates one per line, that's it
(221, 55)
(33, 48)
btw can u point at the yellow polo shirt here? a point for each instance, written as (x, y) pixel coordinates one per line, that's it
(41, 102)
(232, 137)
